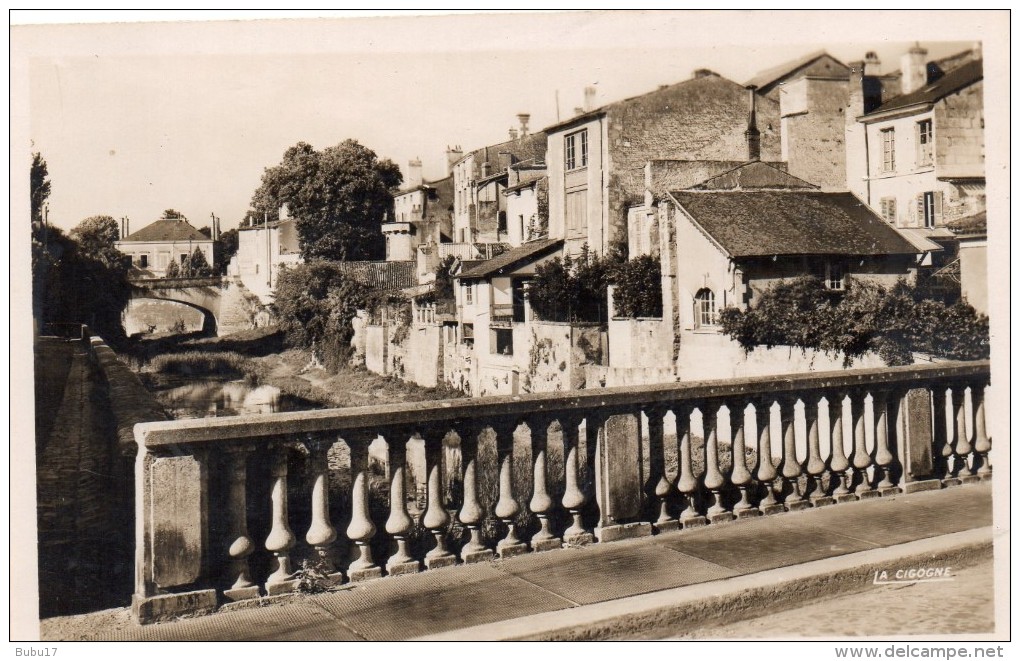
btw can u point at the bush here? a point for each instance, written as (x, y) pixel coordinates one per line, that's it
(566, 289)
(224, 364)
(894, 322)
(638, 291)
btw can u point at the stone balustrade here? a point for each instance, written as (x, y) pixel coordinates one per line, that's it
(230, 509)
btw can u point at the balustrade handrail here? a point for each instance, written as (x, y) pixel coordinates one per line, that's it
(209, 430)
(175, 282)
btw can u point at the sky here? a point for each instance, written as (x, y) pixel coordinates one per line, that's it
(134, 118)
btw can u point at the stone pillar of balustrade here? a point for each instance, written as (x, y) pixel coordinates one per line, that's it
(765, 471)
(281, 539)
(658, 482)
(861, 458)
(507, 507)
(714, 479)
(240, 543)
(790, 468)
(541, 503)
(739, 475)
(436, 519)
(883, 453)
(621, 499)
(815, 466)
(361, 529)
(687, 482)
(321, 533)
(915, 440)
(839, 464)
(982, 444)
(574, 496)
(472, 512)
(399, 524)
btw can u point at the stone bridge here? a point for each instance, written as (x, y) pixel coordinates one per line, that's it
(230, 509)
(217, 298)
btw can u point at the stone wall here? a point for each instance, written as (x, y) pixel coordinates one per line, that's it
(959, 131)
(639, 343)
(813, 131)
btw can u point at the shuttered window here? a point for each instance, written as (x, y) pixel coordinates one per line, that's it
(889, 150)
(577, 213)
(889, 209)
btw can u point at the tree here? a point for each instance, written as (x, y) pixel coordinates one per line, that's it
(40, 186)
(196, 266)
(172, 213)
(224, 249)
(96, 237)
(172, 270)
(338, 196)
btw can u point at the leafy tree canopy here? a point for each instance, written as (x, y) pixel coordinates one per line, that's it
(40, 186)
(338, 196)
(225, 248)
(172, 213)
(96, 236)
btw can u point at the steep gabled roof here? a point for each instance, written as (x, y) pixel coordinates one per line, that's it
(765, 79)
(768, 223)
(954, 81)
(754, 175)
(168, 230)
(512, 258)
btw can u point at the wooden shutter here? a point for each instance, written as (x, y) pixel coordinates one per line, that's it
(919, 215)
(938, 207)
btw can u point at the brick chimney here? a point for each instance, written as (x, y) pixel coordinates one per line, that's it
(453, 154)
(589, 98)
(513, 132)
(872, 65)
(523, 118)
(915, 73)
(752, 134)
(413, 173)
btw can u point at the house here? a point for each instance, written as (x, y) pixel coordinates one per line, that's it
(480, 179)
(527, 203)
(596, 159)
(970, 270)
(728, 238)
(918, 156)
(169, 239)
(422, 214)
(262, 250)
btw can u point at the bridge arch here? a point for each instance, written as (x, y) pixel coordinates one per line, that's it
(202, 294)
(135, 317)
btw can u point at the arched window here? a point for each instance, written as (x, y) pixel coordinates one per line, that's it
(704, 308)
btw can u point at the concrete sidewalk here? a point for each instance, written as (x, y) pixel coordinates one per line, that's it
(606, 590)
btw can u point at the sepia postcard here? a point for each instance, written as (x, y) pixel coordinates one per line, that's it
(496, 326)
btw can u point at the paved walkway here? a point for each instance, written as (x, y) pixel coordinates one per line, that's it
(444, 602)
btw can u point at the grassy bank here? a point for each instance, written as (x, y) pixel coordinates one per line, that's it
(221, 364)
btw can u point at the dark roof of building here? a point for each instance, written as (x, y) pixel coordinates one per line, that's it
(973, 224)
(766, 223)
(954, 81)
(168, 230)
(528, 148)
(769, 76)
(511, 258)
(754, 175)
(385, 276)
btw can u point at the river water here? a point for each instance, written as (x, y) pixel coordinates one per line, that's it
(210, 398)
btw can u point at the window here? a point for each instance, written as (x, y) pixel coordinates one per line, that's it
(889, 150)
(469, 293)
(924, 142)
(927, 213)
(835, 276)
(184, 257)
(704, 308)
(143, 261)
(576, 150)
(889, 209)
(468, 334)
(577, 213)
(502, 341)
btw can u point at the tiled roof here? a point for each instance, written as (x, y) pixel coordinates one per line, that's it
(511, 258)
(769, 76)
(955, 80)
(754, 175)
(764, 223)
(167, 230)
(382, 275)
(974, 224)
(529, 148)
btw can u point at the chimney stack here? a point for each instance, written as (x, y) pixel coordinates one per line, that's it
(589, 98)
(872, 65)
(453, 155)
(127, 226)
(414, 177)
(914, 67)
(523, 118)
(513, 133)
(704, 73)
(485, 169)
(752, 134)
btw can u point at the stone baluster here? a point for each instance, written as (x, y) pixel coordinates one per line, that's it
(883, 455)
(281, 539)
(436, 518)
(839, 465)
(541, 504)
(941, 436)
(321, 533)
(507, 507)
(361, 529)
(688, 482)
(573, 495)
(739, 475)
(714, 480)
(961, 447)
(790, 467)
(241, 544)
(766, 471)
(658, 480)
(861, 458)
(399, 524)
(982, 444)
(471, 513)
(815, 467)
